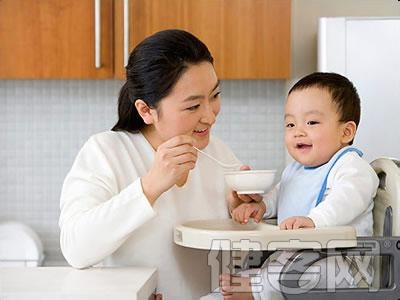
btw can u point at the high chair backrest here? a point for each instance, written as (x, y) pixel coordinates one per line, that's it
(386, 214)
(387, 200)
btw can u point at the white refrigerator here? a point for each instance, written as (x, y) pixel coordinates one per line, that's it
(367, 51)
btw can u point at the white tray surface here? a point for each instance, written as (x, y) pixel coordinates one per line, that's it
(225, 234)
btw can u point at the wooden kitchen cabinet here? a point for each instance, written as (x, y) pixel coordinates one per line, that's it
(249, 39)
(54, 39)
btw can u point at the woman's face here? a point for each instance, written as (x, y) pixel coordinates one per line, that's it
(190, 109)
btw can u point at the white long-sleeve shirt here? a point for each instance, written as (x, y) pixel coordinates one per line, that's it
(106, 218)
(348, 198)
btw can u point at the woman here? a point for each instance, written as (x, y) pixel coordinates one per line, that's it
(128, 187)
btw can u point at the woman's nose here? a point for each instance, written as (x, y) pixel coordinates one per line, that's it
(209, 114)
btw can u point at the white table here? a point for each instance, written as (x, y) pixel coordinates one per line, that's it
(61, 283)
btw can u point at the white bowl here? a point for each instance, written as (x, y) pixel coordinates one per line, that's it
(250, 181)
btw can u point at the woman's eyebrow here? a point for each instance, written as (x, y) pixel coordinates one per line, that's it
(195, 97)
(216, 86)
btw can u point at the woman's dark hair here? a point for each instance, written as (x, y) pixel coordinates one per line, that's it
(154, 67)
(342, 91)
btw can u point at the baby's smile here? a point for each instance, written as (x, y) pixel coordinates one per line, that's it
(303, 146)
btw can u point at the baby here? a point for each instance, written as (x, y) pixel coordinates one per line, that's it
(328, 184)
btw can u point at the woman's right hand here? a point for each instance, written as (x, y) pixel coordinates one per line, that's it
(173, 160)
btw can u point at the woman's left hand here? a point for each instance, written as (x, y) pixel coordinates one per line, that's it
(235, 199)
(248, 197)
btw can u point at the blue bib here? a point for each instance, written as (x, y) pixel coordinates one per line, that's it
(303, 188)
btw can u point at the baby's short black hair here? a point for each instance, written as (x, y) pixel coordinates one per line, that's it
(342, 91)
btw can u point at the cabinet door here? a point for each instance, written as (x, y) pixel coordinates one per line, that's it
(249, 39)
(54, 39)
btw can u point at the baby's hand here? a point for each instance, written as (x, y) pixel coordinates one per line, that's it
(235, 287)
(244, 211)
(296, 223)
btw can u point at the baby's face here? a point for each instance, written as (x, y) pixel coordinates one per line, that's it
(313, 133)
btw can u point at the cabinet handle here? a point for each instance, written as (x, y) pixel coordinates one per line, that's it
(97, 36)
(126, 32)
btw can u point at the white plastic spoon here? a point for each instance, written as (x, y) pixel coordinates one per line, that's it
(224, 165)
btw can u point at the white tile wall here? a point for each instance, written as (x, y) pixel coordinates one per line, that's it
(44, 123)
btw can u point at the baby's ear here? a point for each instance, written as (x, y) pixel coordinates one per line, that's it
(349, 132)
(144, 111)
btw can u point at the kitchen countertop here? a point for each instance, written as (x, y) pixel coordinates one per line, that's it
(68, 283)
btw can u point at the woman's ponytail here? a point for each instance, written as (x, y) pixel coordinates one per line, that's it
(128, 116)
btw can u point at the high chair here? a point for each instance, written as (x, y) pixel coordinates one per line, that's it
(384, 246)
(321, 243)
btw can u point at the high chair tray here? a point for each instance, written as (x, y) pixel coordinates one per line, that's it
(226, 234)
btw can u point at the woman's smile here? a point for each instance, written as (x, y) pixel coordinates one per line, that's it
(201, 132)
